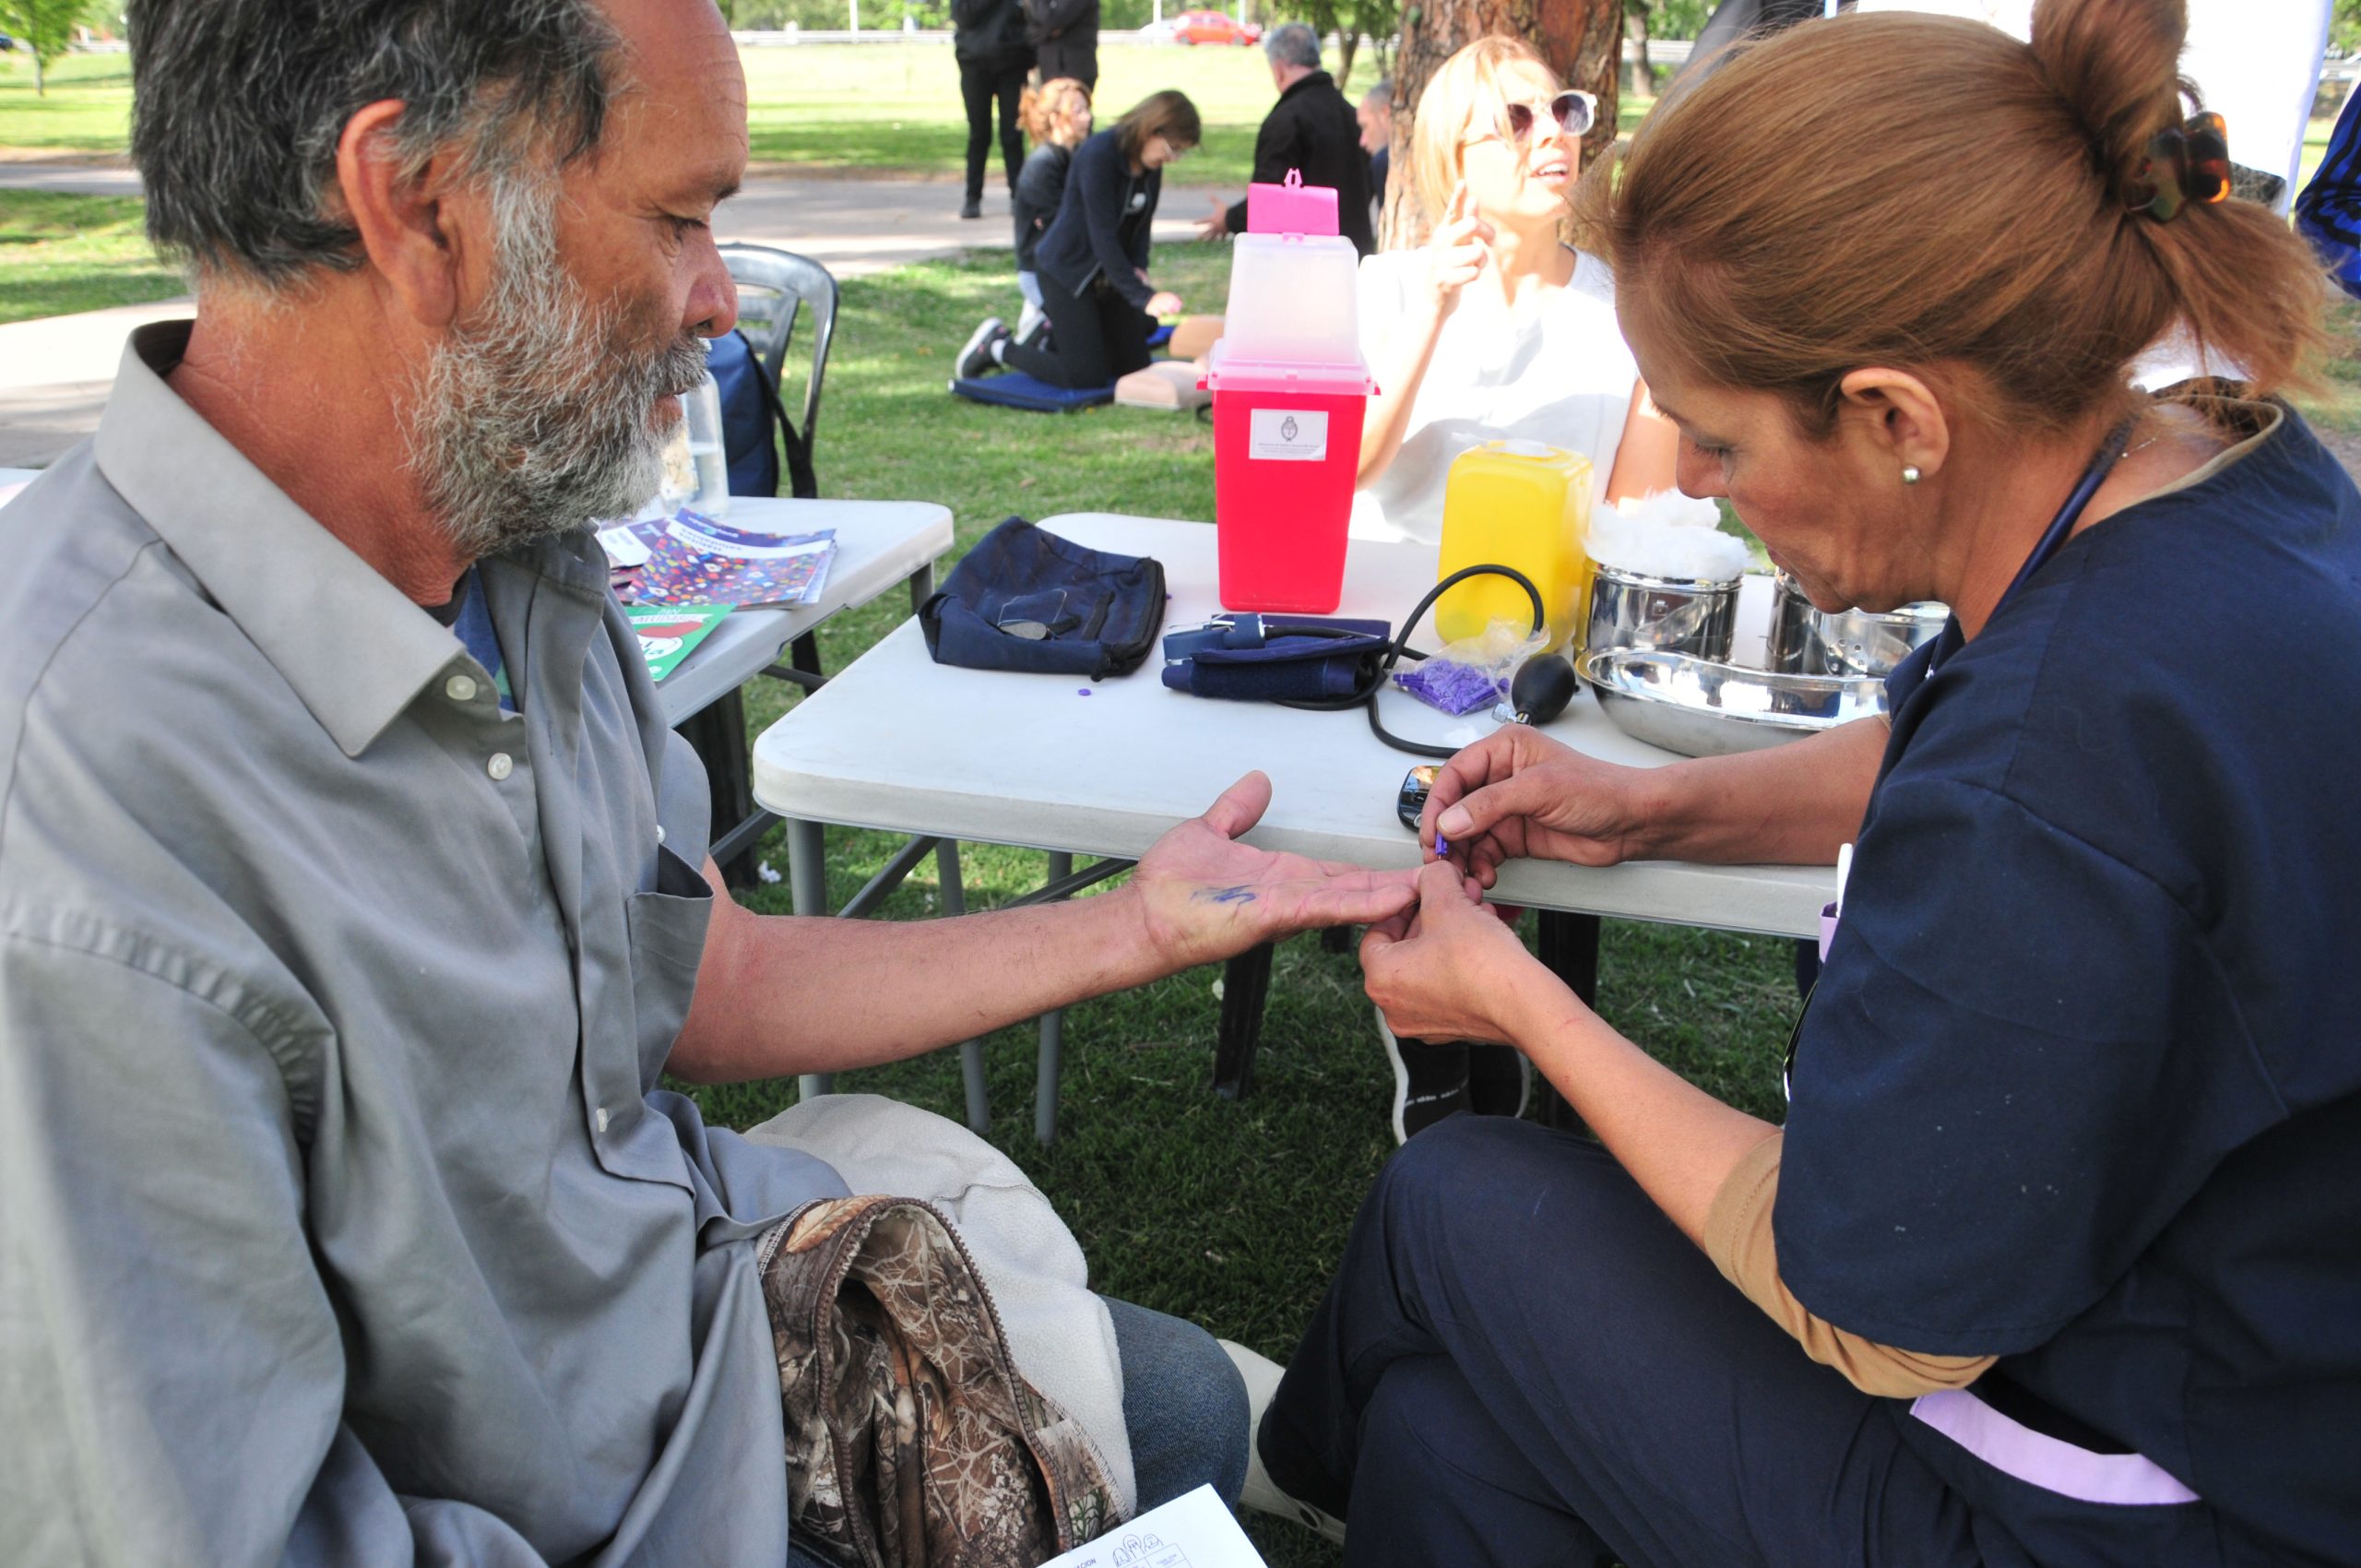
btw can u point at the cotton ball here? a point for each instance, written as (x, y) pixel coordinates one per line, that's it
(1666, 535)
(1672, 509)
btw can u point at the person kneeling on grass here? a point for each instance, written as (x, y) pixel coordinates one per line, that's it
(1057, 116)
(1095, 287)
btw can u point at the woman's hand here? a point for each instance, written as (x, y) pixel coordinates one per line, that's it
(1449, 969)
(1457, 254)
(1164, 302)
(1516, 794)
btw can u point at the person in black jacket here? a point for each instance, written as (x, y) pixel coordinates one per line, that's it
(1093, 261)
(1065, 35)
(993, 59)
(1057, 116)
(1311, 128)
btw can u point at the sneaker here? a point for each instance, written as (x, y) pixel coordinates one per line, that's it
(976, 359)
(1262, 1494)
(972, 208)
(1500, 1080)
(1430, 1082)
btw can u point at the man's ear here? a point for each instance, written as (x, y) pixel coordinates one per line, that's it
(1901, 415)
(409, 227)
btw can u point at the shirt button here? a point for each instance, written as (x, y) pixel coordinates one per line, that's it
(460, 688)
(602, 1119)
(501, 766)
(660, 833)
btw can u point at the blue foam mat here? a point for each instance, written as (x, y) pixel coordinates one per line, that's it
(1017, 390)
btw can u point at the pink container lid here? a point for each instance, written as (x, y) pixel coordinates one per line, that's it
(1291, 208)
(1226, 372)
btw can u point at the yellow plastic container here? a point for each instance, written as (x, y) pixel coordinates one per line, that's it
(1515, 504)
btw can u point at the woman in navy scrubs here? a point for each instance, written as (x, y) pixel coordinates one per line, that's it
(2057, 1259)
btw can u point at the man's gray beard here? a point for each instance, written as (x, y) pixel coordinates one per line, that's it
(533, 419)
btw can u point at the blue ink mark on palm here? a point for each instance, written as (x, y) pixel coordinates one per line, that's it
(1224, 895)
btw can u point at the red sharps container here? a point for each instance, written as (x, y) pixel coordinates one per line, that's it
(1289, 390)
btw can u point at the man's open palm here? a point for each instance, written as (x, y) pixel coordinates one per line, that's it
(1206, 895)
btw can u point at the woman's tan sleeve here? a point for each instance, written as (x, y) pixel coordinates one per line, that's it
(1738, 1238)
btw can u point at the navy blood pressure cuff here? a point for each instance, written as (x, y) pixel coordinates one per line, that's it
(1274, 658)
(1025, 599)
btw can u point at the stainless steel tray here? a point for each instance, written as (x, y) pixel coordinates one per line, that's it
(1700, 708)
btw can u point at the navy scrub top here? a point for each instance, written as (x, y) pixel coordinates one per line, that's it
(2081, 1085)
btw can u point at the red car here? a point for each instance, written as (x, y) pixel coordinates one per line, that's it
(1212, 26)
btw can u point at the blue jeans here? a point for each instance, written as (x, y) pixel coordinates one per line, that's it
(1183, 1403)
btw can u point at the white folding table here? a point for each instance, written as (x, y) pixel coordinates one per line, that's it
(899, 743)
(879, 543)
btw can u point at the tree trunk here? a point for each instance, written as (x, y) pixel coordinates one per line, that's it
(1348, 42)
(40, 85)
(1581, 39)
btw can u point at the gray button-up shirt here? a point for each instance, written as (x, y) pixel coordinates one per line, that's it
(341, 1218)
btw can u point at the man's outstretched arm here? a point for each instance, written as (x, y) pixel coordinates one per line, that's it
(778, 995)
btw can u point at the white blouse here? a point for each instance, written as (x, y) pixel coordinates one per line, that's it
(1552, 368)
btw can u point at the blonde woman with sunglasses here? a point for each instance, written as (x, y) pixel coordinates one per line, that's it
(1495, 327)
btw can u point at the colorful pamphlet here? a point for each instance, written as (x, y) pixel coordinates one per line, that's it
(694, 560)
(668, 633)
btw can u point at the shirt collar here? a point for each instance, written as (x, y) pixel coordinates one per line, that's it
(355, 650)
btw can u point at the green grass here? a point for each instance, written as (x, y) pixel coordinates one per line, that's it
(2336, 405)
(68, 253)
(1232, 1214)
(895, 107)
(883, 108)
(87, 108)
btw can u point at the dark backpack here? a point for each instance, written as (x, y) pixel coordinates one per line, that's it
(1024, 599)
(754, 425)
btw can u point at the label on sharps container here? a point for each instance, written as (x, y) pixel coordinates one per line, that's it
(1288, 435)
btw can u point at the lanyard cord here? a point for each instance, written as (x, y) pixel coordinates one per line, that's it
(1398, 648)
(2052, 538)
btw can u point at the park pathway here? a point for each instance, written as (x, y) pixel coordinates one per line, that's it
(55, 373)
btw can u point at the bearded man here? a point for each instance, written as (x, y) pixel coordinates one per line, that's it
(353, 900)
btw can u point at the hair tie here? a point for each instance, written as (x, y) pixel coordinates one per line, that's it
(2187, 162)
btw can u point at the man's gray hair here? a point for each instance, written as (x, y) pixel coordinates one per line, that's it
(1293, 43)
(1382, 94)
(238, 106)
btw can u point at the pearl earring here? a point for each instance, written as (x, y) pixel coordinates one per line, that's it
(1910, 473)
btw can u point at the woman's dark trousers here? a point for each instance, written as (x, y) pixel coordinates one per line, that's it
(1522, 1361)
(1094, 339)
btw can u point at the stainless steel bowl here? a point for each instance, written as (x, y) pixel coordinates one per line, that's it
(1701, 708)
(1808, 641)
(1678, 614)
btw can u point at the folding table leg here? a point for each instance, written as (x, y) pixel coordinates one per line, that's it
(807, 880)
(971, 1051)
(1051, 1064)
(1245, 986)
(1569, 950)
